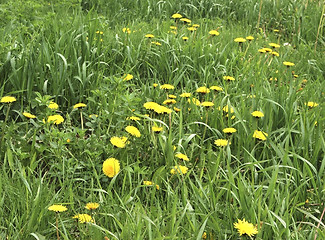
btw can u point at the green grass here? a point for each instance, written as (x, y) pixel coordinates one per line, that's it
(56, 52)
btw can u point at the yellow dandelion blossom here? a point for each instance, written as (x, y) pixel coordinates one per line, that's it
(126, 30)
(177, 16)
(83, 218)
(194, 101)
(79, 105)
(167, 86)
(221, 142)
(250, 38)
(260, 135)
(177, 109)
(240, 40)
(214, 33)
(128, 77)
(172, 96)
(274, 45)
(203, 90)
(133, 131)
(229, 130)
(133, 118)
(156, 43)
(185, 38)
(228, 78)
(8, 99)
(311, 104)
(257, 114)
(288, 64)
(179, 169)
(186, 94)
(245, 228)
(111, 167)
(117, 142)
(185, 20)
(92, 206)
(53, 105)
(207, 104)
(29, 115)
(182, 156)
(149, 36)
(216, 88)
(56, 119)
(156, 129)
(57, 208)
(169, 101)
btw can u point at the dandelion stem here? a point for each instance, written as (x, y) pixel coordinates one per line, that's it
(57, 227)
(81, 120)
(4, 126)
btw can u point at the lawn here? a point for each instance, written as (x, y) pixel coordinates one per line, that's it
(199, 119)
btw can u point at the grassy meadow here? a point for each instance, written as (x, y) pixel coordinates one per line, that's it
(123, 120)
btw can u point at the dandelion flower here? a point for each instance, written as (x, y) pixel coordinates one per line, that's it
(128, 77)
(149, 36)
(57, 208)
(250, 38)
(207, 104)
(92, 206)
(157, 129)
(194, 101)
(311, 104)
(156, 43)
(176, 16)
(186, 94)
(179, 169)
(245, 227)
(111, 167)
(169, 101)
(257, 114)
(53, 105)
(228, 78)
(155, 85)
(133, 131)
(262, 50)
(126, 30)
(29, 115)
(83, 218)
(79, 105)
(275, 53)
(185, 20)
(274, 45)
(185, 38)
(177, 109)
(117, 142)
(8, 99)
(167, 87)
(182, 156)
(172, 96)
(133, 118)
(203, 90)
(221, 142)
(216, 88)
(56, 119)
(288, 64)
(260, 135)
(173, 27)
(214, 33)
(227, 109)
(229, 130)
(240, 40)
(192, 29)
